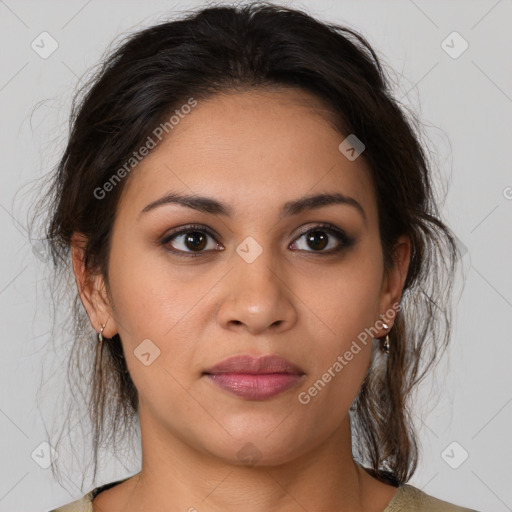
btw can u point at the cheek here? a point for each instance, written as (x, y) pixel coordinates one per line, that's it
(341, 355)
(150, 297)
(158, 311)
(347, 304)
(336, 385)
(345, 297)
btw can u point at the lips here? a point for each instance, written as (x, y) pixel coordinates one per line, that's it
(255, 365)
(255, 378)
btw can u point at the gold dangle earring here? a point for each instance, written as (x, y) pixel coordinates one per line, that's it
(385, 343)
(100, 334)
(100, 349)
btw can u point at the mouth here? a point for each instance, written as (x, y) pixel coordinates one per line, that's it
(255, 378)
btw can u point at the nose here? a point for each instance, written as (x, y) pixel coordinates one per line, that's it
(256, 297)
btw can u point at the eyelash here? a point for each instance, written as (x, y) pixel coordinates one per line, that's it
(345, 240)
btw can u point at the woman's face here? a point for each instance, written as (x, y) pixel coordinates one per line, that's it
(254, 276)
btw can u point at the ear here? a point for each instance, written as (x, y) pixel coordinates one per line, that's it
(394, 280)
(92, 289)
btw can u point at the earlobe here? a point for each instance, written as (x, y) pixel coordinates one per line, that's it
(92, 289)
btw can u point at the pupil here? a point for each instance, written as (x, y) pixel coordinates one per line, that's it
(195, 240)
(317, 237)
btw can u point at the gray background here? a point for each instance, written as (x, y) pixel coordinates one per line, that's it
(466, 105)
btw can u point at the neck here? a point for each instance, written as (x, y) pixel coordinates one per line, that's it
(175, 476)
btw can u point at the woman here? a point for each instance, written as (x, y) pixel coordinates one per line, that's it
(252, 229)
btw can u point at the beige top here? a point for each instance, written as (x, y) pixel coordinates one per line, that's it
(406, 499)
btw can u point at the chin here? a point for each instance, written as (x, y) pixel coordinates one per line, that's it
(258, 450)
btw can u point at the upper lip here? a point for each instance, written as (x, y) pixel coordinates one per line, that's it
(255, 365)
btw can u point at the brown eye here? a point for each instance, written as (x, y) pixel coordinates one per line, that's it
(317, 240)
(190, 240)
(322, 239)
(195, 241)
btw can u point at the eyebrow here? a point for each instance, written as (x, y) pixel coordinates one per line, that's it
(290, 208)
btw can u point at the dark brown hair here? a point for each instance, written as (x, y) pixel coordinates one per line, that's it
(222, 49)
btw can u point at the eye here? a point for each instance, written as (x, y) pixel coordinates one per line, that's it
(321, 237)
(190, 239)
(193, 240)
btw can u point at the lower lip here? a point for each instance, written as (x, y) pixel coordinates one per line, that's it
(255, 386)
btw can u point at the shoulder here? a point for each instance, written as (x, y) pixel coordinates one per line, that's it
(410, 499)
(84, 504)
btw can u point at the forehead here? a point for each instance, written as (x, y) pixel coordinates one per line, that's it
(253, 149)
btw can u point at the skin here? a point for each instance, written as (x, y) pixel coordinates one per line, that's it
(253, 151)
